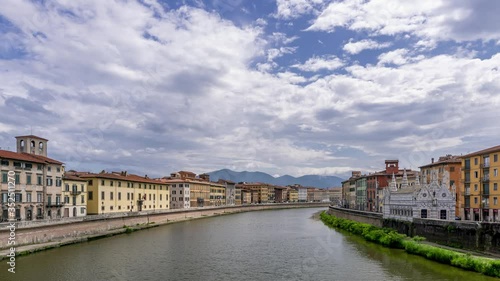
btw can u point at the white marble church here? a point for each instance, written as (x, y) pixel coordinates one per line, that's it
(431, 200)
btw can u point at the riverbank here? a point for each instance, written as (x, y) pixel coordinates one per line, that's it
(392, 239)
(67, 233)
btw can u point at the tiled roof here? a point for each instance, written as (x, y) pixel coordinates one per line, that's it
(484, 151)
(445, 160)
(72, 177)
(6, 154)
(117, 176)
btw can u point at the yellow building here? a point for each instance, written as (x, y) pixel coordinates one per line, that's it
(292, 195)
(122, 192)
(259, 192)
(480, 180)
(217, 194)
(74, 194)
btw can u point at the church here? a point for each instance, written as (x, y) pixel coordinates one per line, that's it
(429, 200)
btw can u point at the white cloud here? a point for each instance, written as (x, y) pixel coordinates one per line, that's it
(318, 63)
(436, 20)
(289, 9)
(397, 57)
(365, 44)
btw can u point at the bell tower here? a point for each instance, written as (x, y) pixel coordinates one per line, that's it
(32, 144)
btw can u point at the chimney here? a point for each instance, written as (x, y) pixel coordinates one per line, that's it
(432, 160)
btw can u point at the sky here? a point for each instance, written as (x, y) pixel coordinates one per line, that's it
(285, 87)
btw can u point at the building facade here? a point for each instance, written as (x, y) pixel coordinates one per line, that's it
(480, 180)
(74, 194)
(38, 180)
(428, 201)
(447, 167)
(117, 192)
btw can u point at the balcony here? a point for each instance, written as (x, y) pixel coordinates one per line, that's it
(75, 192)
(56, 204)
(485, 165)
(466, 168)
(467, 191)
(485, 205)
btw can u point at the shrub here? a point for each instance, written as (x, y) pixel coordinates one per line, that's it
(390, 238)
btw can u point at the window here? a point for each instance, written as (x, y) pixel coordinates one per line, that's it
(132, 185)
(119, 207)
(160, 197)
(475, 187)
(58, 169)
(423, 213)
(475, 161)
(82, 187)
(495, 172)
(49, 168)
(111, 195)
(128, 184)
(5, 162)
(58, 181)
(83, 199)
(39, 197)
(442, 214)
(119, 196)
(102, 208)
(19, 197)
(82, 210)
(150, 197)
(128, 196)
(28, 197)
(91, 182)
(111, 183)
(58, 199)
(111, 208)
(475, 200)
(495, 186)
(452, 169)
(476, 174)
(102, 195)
(495, 158)
(39, 167)
(49, 181)
(39, 179)
(119, 184)
(4, 177)
(495, 201)
(17, 178)
(91, 195)
(132, 196)
(66, 199)
(102, 182)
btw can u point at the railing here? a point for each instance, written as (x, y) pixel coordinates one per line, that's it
(485, 178)
(467, 192)
(75, 192)
(485, 205)
(56, 204)
(485, 165)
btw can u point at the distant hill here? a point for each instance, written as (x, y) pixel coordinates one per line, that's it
(308, 180)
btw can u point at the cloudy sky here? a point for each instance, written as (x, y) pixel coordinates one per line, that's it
(285, 87)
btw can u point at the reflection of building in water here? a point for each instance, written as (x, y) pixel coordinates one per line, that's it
(433, 201)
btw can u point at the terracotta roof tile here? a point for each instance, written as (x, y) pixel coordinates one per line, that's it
(6, 154)
(484, 151)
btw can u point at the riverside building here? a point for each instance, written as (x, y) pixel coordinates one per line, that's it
(38, 180)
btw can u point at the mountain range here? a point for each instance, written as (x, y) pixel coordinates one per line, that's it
(307, 180)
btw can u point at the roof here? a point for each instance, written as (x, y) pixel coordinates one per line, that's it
(6, 154)
(32, 136)
(72, 178)
(188, 180)
(484, 151)
(445, 160)
(117, 176)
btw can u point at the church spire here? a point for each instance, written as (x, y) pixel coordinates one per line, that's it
(404, 183)
(393, 186)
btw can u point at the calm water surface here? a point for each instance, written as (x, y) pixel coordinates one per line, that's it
(264, 245)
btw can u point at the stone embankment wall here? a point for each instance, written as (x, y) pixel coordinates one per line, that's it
(479, 236)
(34, 232)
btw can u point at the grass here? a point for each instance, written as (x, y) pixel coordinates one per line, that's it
(392, 239)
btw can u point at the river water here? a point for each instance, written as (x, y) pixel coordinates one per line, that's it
(263, 245)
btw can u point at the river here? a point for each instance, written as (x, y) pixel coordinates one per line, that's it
(263, 245)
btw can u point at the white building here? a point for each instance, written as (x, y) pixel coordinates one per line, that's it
(431, 200)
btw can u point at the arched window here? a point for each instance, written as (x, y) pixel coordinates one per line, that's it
(32, 144)
(40, 146)
(21, 143)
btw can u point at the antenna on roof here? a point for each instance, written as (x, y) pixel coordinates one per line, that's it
(31, 130)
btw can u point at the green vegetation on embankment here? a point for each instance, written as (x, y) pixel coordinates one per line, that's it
(392, 239)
